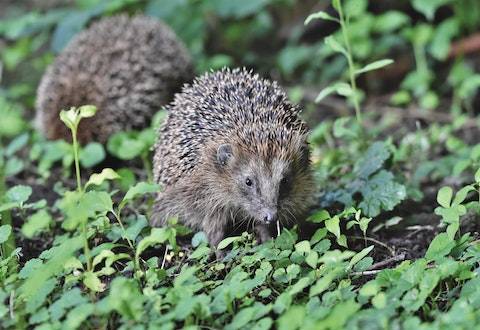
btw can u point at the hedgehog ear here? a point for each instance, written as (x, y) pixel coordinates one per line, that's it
(224, 153)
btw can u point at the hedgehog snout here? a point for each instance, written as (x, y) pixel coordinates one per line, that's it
(269, 215)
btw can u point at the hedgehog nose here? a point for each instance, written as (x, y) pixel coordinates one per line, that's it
(270, 216)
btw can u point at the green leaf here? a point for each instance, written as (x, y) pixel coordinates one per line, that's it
(333, 226)
(303, 247)
(428, 7)
(126, 145)
(372, 160)
(440, 246)
(200, 252)
(98, 179)
(320, 15)
(157, 236)
(359, 256)
(59, 255)
(379, 301)
(87, 111)
(444, 196)
(92, 154)
(227, 241)
(126, 298)
(19, 194)
(340, 88)
(335, 45)
(374, 66)
(5, 232)
(139, 189)
(462, 194)
(390, 21)
(69, 118)
(381, 192)
(312, 259)
(343, 89)
(477, 176)
(17, 143)
(452, 230)
(92, 282)
(324, 93)
(37, 223)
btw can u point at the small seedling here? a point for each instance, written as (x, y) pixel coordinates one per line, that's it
(71, 119)
(350, 91)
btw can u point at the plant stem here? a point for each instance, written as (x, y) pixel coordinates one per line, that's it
(117, 217)
(9, 246)
(86, 248)
(351, 66)
(147, 166)
(76, 158)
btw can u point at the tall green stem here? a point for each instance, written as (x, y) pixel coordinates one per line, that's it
(351, 66)
(9, 246)
(76, 159)
(86, 248)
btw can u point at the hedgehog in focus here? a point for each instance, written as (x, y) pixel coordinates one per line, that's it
(127, 67)
(232, 151)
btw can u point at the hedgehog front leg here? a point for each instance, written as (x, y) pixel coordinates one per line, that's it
(262, 233)
(215, 231)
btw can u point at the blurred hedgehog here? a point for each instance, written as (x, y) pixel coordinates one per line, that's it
(127, 67)
(232, 150)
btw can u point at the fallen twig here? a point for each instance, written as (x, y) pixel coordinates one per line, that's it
(392, 251)
(388, 261)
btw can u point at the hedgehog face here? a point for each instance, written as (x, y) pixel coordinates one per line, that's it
(259, 188)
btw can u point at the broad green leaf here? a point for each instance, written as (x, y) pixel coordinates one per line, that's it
(139, 189)
(86, 111)
(101, 256)
(37, 223)
(373, 159)
(157, 236)
(320, 15)
(92, 154)
(60, 254)
(99, 178)
(477, 176)
(227, 241)
(374, 66)
(126, 298)
(359, 256)
(69, 118)
(19, 194)
(303, 247)
(369, 289)
(200, 252)
(379, 301)
(428, 7)
(440, 246)
(462, 194)
(381, 192)
(342, 240)
(333, 226)
(444, 196)
(17, 143)
(343, 89)
(92, 282)
(312, 259)
(5, 232)
(452, 230)
(335, 45)
(198, 238)
(324, 93)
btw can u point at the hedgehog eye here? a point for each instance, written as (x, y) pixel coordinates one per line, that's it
(248, 182)
(284, 187)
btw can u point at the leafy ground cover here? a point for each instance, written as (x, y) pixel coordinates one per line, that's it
(392, 242)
